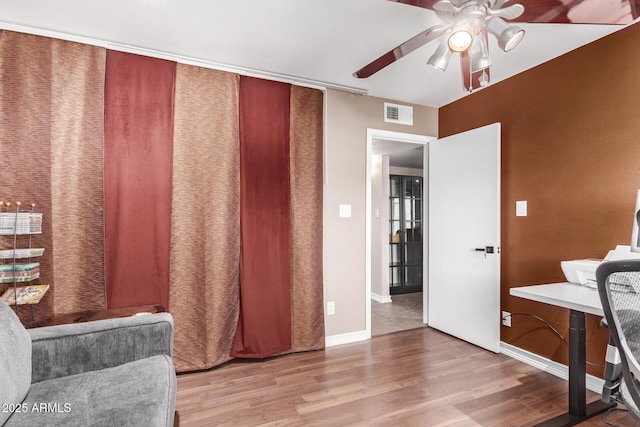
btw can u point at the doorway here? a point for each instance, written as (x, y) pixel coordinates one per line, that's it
(387, 154)
(458, 276)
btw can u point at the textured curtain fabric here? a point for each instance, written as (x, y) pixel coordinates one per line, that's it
(220, 220)
(306, 144)
(51, 106)
(25, 138)
(77, 176)
(281, 241)
(264, 328)
(205, 223)
(138, 150)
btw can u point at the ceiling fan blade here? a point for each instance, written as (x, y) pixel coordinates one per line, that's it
(497, 4)
(579, 11)
(445, 6)
(562, 11)
(509, 12)
(405, 48)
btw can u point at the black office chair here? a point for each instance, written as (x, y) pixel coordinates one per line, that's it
(619, 289)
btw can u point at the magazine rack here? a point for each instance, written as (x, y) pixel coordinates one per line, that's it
(17, 270)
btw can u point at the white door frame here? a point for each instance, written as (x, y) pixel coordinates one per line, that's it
(393, 136)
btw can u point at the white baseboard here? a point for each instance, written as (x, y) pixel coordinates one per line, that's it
(347, 338)
(558, 369)
(381, 298)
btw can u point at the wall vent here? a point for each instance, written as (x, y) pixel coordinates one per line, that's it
(401, 114)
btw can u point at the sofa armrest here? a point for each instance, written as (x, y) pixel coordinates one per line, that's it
(64, 350)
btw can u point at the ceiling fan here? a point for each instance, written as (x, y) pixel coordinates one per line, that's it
(466, 25)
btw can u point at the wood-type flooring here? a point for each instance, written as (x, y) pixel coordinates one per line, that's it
(420, 377)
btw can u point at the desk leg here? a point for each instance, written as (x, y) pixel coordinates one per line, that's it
(578, 408)
(577, 364)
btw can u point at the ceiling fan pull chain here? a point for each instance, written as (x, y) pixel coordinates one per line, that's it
(470, 76)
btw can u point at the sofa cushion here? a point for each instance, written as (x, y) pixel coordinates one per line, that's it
(139, 393)
(15, 354)
(58, 351)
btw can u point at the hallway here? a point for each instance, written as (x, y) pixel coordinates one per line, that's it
(403, 313)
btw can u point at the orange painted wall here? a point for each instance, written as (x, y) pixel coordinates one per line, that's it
(571, 148)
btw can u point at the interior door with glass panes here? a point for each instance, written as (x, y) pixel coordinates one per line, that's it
(405, 231)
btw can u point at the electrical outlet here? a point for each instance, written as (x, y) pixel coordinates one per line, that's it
(506, 319)
(331, 308)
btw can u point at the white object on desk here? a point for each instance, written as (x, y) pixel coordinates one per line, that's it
(621, 252)
(635, 242)
(581, 271)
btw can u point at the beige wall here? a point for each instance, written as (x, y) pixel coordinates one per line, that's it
(347, 119)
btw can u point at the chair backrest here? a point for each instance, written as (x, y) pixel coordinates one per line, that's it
(15, 359)
(619, 289)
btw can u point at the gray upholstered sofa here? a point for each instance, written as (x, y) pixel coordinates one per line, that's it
(116, 372)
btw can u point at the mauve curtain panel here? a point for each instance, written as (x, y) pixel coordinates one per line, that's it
(264, 328)
(270, 264)
(138, 150)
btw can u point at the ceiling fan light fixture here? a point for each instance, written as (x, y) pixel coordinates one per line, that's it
(460, 40)
(511, 38)
(480, 62)
(483, 80)
(479, 54)
(508, 36)
(440, 58)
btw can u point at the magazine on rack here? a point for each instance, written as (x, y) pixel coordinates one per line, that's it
(25, 294)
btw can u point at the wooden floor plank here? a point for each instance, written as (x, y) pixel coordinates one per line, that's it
(420, 377)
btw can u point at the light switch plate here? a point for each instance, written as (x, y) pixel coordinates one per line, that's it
(521, 208)
(345, 211)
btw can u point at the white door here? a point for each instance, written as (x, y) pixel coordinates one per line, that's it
(464, 224)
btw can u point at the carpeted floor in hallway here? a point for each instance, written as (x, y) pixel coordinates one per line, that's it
(403, 313)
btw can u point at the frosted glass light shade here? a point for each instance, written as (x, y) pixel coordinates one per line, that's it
(460, 40)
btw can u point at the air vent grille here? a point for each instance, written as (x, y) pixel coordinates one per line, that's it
(392, 112)
(401, 114)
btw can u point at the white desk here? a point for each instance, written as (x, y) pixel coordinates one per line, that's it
(565, 294)
(579, 300)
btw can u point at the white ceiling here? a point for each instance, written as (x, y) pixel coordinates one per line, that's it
(313, 41)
